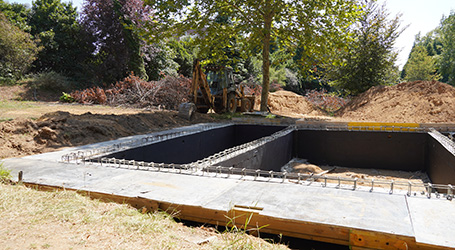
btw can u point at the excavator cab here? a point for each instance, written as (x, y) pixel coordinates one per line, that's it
(219, 78)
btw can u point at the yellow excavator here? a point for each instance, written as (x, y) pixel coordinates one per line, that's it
(216, 90)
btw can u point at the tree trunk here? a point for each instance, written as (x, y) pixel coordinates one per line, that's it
(265, 57)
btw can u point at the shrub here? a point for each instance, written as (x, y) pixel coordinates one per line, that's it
(133, 91)
(66, 97)
(52, 81)
(5, 174)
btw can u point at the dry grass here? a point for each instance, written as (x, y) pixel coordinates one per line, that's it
(66, 220)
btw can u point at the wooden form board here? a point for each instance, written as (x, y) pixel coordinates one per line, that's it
(249, 218)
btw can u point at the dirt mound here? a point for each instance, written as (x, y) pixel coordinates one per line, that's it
(420, 102)
(61, 129)
(288, 103)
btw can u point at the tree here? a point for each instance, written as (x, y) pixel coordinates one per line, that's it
(17, 14)
(370, 55)
(17, 50)
(420, 66)
(447, 58)
(432, 45)
(114, 27)
(55, 24)
(318, 26)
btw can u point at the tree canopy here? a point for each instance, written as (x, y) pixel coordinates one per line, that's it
(17, 50)
(369, 59)
(420, 65)
(317, 26)
(55, 24)
(447, 58)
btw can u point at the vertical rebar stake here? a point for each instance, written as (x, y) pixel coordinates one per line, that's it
(450, 192)
(429, 190)
(372, 185)
(409, 188)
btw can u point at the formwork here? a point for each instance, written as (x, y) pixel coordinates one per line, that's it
(223, 173)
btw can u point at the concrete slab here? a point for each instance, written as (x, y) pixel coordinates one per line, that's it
(433, 221)
(363, 210)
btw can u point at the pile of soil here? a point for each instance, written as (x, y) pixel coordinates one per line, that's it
(61, 129)
(419, 102)
(287, 103)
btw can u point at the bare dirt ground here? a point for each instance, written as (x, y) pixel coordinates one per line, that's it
(290, 104)
(419, 102)
(32, 128)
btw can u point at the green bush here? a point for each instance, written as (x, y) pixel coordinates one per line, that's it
(66, 98)
(53, 81)
(5, 174)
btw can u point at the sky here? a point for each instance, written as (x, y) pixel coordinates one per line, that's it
(421, 15)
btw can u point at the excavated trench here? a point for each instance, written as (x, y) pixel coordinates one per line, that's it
(262, 151)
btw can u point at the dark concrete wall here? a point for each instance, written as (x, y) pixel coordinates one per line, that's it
(440, 162)
(190, 148)
(270, 156)
(362, 149)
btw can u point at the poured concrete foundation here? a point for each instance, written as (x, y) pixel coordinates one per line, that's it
(403, 151)
(234, 171)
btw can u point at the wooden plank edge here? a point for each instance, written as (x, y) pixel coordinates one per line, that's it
(266, 224)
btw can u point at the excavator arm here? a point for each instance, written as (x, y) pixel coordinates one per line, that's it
(200, 82)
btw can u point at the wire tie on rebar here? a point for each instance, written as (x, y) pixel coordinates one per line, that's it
(391, 187)
(217, 170)
(230, 171)
(258, 171)
(372, 185)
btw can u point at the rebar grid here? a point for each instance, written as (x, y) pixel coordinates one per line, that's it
(410, 188)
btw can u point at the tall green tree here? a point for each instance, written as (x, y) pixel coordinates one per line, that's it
(17, 51)
(55, 24)
(16, 13)
(317, 26)
(420, 66)
(370, 56)
(447, 58)
(432, 44)
(114, 26)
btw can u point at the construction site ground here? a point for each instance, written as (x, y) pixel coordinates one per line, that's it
(336, 215)
(30, 127)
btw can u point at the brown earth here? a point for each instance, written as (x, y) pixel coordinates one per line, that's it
(290, 104)
(38, 127)
(419, 102)
(62, 129)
